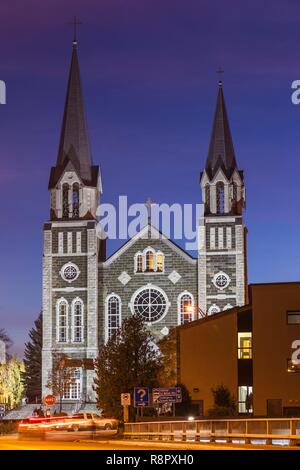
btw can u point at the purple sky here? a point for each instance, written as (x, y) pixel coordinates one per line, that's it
(148, 70)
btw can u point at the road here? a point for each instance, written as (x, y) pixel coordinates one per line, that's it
(14, 443)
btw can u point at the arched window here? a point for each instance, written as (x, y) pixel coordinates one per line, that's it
(139, 263)
(77, 321)
(220, 198)
(75, 200)
(234, 192)
(149, 261)
(186, 308)
(213, 309)
(62, 321)
(65, 207)
(207, 198)
(159, 262)
(113, 315)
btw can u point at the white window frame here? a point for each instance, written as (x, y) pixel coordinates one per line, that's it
(179, 310)
(144, 256)
(107, 331)
(64, 267)
(150, 286)
(214, 280)
(213, 309)
(59, 302)
(74, 302)
(78, 385)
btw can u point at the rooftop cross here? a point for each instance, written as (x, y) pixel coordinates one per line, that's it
(149, 203)
(75, 23)
(220, 71)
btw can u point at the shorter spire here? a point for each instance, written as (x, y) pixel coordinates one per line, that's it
(221, 152)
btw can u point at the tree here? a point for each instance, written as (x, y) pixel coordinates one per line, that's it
(60, 377)
(129, 359)
(11, 383)
(168, 349)
(6, 339)
(33, 362)
(224, 402)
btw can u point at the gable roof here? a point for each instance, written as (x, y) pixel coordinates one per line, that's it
(155, 234)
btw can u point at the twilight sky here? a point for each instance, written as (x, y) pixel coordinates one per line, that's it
(148, 71)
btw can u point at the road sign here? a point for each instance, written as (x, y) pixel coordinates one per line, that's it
(141, 396)
(49, 400)
(166, 395)
(125, 399)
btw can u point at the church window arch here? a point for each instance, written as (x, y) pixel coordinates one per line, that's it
(220, 197)
(113, 315)
(77, 320)
(62, 324)
(186, 308)
(75, 200)
(65, 200)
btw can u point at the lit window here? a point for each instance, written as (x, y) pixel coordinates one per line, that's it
(113, 315)
(72, 389)
(293, 318)
(245, 345)
(245, 399)
(159, 262)
(139, 263)
(77, 321)
(62, 321)
(220, 198)
(186, 308)
(149, 261)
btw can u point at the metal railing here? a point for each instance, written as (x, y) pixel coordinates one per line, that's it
(284, 431)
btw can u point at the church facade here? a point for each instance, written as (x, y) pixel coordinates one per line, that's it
(86, 295)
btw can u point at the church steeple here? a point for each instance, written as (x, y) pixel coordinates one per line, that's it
(221, 152)
(74, 142)
(75, 184)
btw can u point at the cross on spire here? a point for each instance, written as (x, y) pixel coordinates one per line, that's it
(149, 203)
(220, 71)
(75, 23)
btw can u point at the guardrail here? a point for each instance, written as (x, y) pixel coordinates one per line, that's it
(284, 431)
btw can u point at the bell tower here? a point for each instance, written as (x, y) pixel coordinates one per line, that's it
(71, 250)
(222, 234)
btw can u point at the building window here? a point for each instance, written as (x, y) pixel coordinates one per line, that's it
(213, 309)
(150, 303)
(69, 272)
(113, 315)
(72, 390)
(75, 201)
(245, 345)
(62, 321)
(207, 198)
(65, 205)
(234, 192)
(293, 318)
(77, 321)
(245, 399)
(139, 263)
(221, 280)
(220, 198)
(150, 261)
(186, 308)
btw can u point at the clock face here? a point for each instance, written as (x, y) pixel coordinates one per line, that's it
(70, 272)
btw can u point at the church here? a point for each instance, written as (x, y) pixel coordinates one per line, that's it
(86, 295)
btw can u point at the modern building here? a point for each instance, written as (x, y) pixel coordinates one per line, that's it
(249, 350)
(86, 295)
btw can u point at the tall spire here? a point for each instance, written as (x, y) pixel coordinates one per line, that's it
(221, 152)
(74, 142)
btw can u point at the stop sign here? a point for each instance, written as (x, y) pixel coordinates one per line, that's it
(49, 400)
